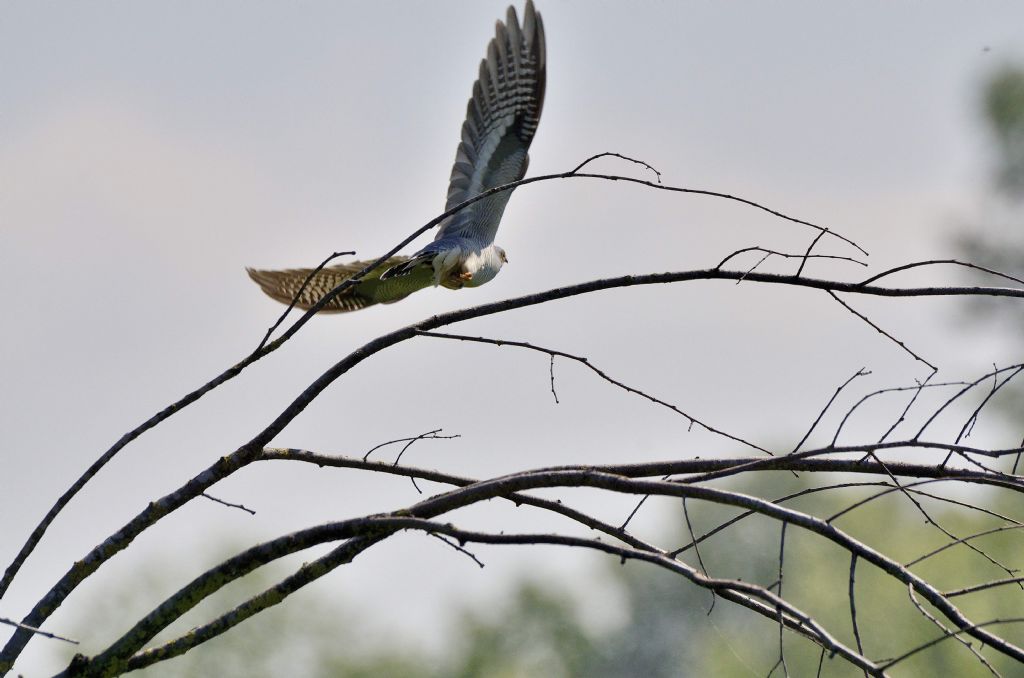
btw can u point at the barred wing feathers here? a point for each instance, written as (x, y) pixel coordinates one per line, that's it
(284, 285)
(501, 120)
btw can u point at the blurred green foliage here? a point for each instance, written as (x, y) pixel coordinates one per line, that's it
(1004, 115)
(995, 238)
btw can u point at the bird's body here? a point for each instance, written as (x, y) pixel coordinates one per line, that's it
(455, 262)
(501, 119)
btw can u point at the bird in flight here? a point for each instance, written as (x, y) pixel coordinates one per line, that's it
(501, 119)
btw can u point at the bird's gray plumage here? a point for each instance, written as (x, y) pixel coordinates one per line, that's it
(501, 119)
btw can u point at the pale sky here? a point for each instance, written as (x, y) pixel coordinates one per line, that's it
(149, 152)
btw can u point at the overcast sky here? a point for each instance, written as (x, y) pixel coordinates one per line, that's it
(150, 151)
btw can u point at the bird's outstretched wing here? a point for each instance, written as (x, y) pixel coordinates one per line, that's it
(501, 119)
(284, 285)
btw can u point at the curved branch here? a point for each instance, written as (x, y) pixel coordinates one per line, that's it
(961, 540)
(599, 372)
(248, 452)
(933, 262)
(881, 331)
(266, 348)
(362, 533)
(785, 255)
(121, 651)
(739, 592)
(589, 478)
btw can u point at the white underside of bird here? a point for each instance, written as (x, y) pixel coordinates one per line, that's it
(454, 262)
(471, 268)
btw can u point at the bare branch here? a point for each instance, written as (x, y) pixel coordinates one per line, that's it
(227, 503)
(920, 386)
(607, 154)
(985, 586)
(251, 451)
(859, 373)
(953, 543)
(551, 370)
(969, 424)
(930, 617)
(507, 487)
(125, 649)
(782, 554)
(298, 295)
(881, 331)
(753, 268)
(960, 393)
(853, 602)
(786, 255)
(586, 362)
(35, 631)
(950, 634)
(429, 435)
(457, 547)
(807, 254)
(696, 550)
(933, 262)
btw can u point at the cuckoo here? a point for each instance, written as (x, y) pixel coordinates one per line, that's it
(501, 120)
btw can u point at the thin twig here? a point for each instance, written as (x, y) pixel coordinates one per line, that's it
(782, 555)
(948, 633)
(625, 523)
(942, 627)
(969, 424)
(787, 255)
(298, 295)
(807, 254)
(586, 363)
(457, 547)
(921, 385)
(227, 503)
(753, 268)
(953, 543)
(862, 372)
(606, 154)
(933, 262)
(881, 331)
(908, 492)
(38, 632)
(917, 388)
(696, 550)
(853, 603)
(984, 586)
(429, 435)
(551, 369)
(961, 393)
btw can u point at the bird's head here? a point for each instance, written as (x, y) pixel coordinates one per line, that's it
(501, 254)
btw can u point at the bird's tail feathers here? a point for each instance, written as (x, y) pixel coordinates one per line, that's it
(306, 286)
